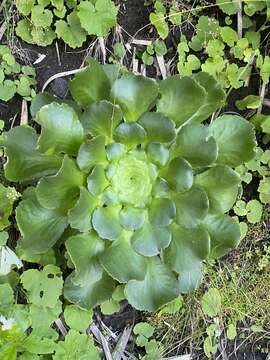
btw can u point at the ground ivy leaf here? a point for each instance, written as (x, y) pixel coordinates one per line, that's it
(97, 18)
(150, 239)
(79, 217)
(135, 95)
(235, 138)
(7, 90)
(123, 268)
(189, 139)
(76, 318)
(71, 31)
(221, 185)
(37, 345)
(254, 211)
(224, 233)
(158, 287)
(84, 94)
(76, 346)
(62, 189)
(42, 318)
(106, 222)
(180, 98)
(40, 227)
(191, 207)
(101, 118)
(61, 129)
(24, 161)
(91, 153)
(211, 302)
(43, 287)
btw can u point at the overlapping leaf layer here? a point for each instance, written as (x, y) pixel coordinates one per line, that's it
(128, 178)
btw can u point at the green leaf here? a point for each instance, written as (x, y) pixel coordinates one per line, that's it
(179, 175)
(135, 95)
(249, 102)
(62, 189)
(189, 139)
(150, 239)
(187, 249)
(145, 329)
(264, 190)
(7, 197)
(6, 298)
(25, 6)
(61, 129)
(101, 118)
(76, 346)
(224, 233)
(37, 345)
(158, 153)
(180, 99)
(235, 138)
(91, 153)
(158, 127)
(99, 89)
(89, 285)
(8, 260)
(43, 287)
(254, 211)
(159, 22)
(229, 7)
(42, 317)
(24, 161)
(158, 287)
(76, 318)
(41, 17)
(7, 90)
(97, 17)
(40, 227)
(229, 35)
(130, 134)
(110, 307)
(106, 222)
(211, 302)
(162, 212)
(79, 217)
(191, 207)
(132, 218)
(123, 268)
(221, 185)
(97, 181)
(71, 31)
(39, 101)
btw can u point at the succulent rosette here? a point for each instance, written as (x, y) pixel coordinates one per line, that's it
(128, 178)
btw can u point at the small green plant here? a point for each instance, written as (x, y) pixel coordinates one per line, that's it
(70, 21)
(111, 178)
(15, 78)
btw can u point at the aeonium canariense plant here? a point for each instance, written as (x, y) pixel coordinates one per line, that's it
(129, 170)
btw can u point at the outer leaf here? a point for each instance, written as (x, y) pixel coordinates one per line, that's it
(40, 227)
(158, 287)
(24, 161)
(180, 98)
(62, 189)
(123, 268)
(89, 285)
(221, 185)
(132, 218)
(187, 249)
(191, 207)
(61, 129)
(97, 18)
(79, 217)
(99, 89)
(235, 138)
(192, 137)
(179, 175)
(101, 118)
(162, 212)
(224, 233)
(158, 127)
(158, 153)
(76, 318)
(215, 96)
(97, 181)
(150, 239)
(135, 95)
